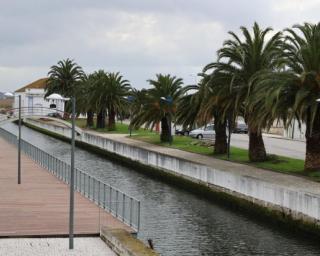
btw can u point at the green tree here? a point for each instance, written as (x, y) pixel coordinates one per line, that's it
(218, 105)
(115, 96)
(109, 93)
(292, 92)
(63, 78)
(202, 105)
(160, 104)
(241, 60)
(84, 103)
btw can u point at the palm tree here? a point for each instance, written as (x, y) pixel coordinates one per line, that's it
(63, 78)
(98, 83)
(239, 61)
(160, 104)
(199, 106)
(189, 106)
(292, 92)
(84, 102)
(109, 93)
(218, 104)
(115, 96)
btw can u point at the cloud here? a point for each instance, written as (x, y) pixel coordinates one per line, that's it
(138, 38)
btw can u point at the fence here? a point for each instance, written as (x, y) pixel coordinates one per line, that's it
(123, 207)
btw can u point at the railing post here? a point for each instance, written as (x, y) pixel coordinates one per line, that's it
(131, 205)
(138, 226)
(99, 193)
(110, 198)
(104, 196)
(81, 182)
(117, 201)
(123, 206)
(93, 189)
(89, 187)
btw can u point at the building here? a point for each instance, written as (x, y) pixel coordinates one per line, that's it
(294, 131)
(33, 101)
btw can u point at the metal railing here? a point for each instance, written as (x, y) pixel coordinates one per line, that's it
(123, 207)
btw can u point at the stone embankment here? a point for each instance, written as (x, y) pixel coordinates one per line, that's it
(287, 197)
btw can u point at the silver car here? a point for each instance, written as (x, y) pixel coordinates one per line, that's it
(205, 132)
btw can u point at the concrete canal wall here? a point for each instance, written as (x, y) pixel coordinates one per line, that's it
(294, 202)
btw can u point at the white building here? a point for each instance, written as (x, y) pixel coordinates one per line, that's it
(33, 101)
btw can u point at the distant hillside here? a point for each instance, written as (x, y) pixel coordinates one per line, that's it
(2, 96)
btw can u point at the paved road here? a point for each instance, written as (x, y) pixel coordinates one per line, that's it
(277, 146)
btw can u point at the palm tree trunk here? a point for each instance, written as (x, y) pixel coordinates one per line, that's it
(220, 145)
(111, 120)
(257, 150)
(90, 115)
(165, 135)
(101, 119)
(312, 161)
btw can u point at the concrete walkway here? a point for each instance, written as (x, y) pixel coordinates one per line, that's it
(290, 181)
(83, 246)
(40, 205)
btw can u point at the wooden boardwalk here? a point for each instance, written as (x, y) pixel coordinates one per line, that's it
(40, 205)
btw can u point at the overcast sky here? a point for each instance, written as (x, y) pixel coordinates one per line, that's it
(139, 38)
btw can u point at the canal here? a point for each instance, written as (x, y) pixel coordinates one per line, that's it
(178, 222)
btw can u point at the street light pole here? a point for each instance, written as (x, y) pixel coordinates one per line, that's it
(71, 211)
(230, 123)
(19, 143)
(130, 127)
(170, 129)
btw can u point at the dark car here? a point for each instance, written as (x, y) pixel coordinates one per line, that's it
(182, 131)
(55, 114)
(241, 128)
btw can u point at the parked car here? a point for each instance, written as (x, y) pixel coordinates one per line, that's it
(241, 128)
(55, 114)
(205, 132)
(182, 131)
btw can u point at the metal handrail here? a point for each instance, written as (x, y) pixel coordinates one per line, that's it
(122, 206)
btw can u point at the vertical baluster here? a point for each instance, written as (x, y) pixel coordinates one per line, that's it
(99, 203)
(110, 198)
(117, 202)
(81, 183)
(131, 205)
(89, 188)
(123, 206)
(138, 226)
(104, 196)
(93, 189)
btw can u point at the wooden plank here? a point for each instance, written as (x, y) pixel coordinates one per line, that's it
(40, 204)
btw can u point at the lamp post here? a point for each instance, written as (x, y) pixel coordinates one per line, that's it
(71, 210)
(229, 136)
(71, 182)
(19, 143)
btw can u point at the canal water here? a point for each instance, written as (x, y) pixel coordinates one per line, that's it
(178, 222)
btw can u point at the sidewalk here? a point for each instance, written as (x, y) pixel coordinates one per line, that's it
(83, 246)
(39, 206)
